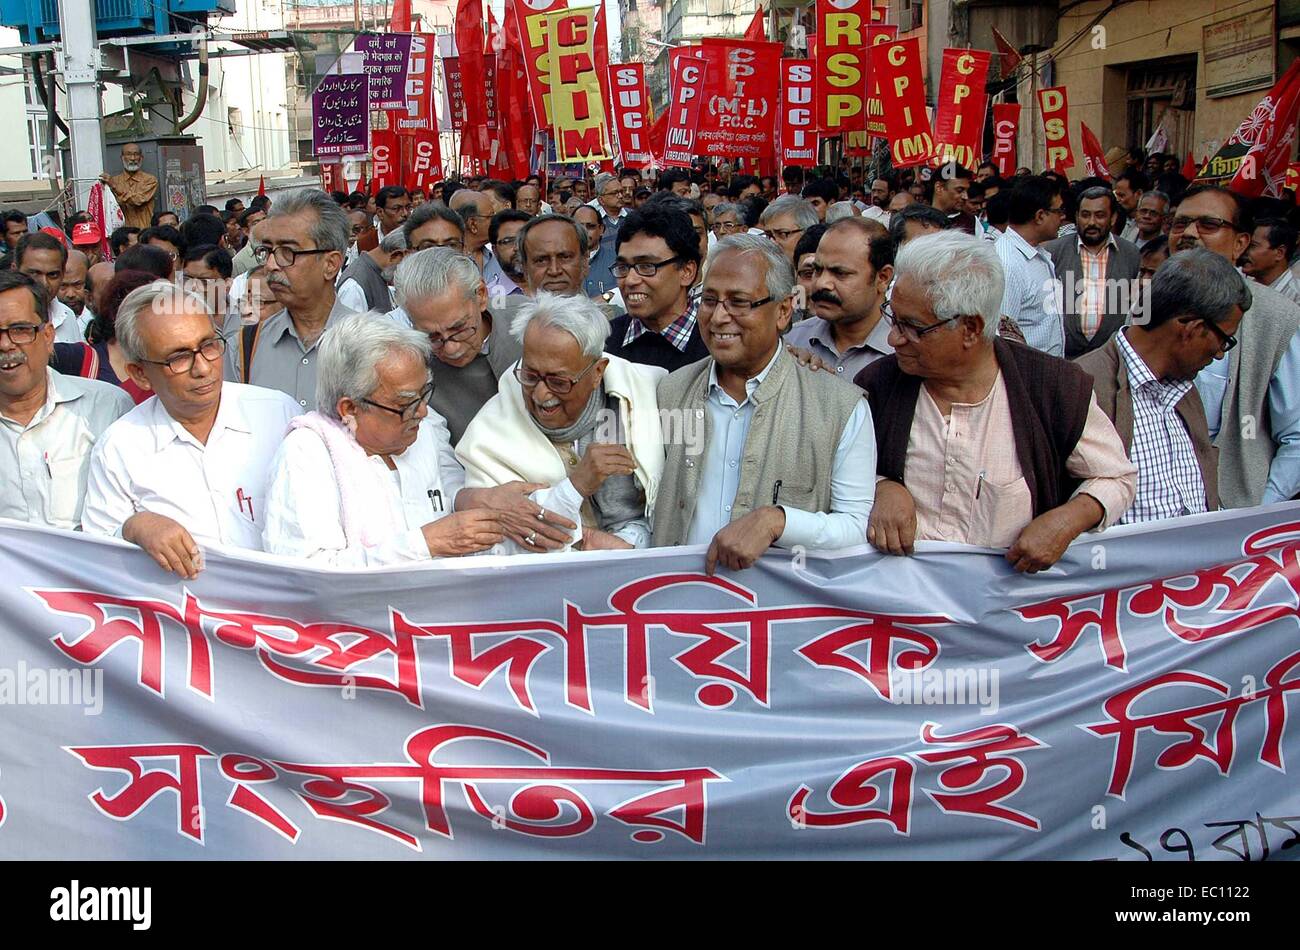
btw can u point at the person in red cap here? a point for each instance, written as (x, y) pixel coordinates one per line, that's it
(87, 238)
(57, 234)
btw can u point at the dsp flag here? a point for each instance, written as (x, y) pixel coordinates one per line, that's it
(798, 113)
(631, 113)
(1094, 159)
(577, 113)
(530, 17)
(876, 34)
(741, 98)
(686, 96)
(963, 101)
(937, 706)
(1256, 155)
(842, 64)
(1056, 127)
(1006, 126)
(898, 68)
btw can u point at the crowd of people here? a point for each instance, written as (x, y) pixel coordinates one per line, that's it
(616, 362)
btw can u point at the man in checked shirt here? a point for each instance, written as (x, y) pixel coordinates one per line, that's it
(1144, 381)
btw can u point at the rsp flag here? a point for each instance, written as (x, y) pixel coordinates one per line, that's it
(686, 95)
(1056, 127)
(1134, 702)
(959, 119)
(577, 113)
(1006, 125)
(798, 115)
(897, 67)
(842, 64)
(631, 113)
(741, 98)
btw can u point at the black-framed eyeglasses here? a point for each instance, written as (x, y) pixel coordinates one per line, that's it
(784, 234)
(283, 254)
(1205, 224)
(644, 268)
(183, 360)
(910, 330)
(458, 335)
(21, 334)
(1226, 340)
(454, 245)
(559, 385)
(733, 306)
(411, 409)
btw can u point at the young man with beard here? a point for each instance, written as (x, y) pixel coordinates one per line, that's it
(852, 269)
(508, 278)
(1096, 270)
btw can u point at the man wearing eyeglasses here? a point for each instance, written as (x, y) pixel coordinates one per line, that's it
(369, 478)
(1030, 298)
(611, 205)
(581, 423)
(785, 220)
(191, 465)
(788, 457)
(300, 245)
(475, 209)
(1144, 380)
(982, 440)
(48, 422)
(658, 263)
(507, 278)
(434, 225)
(1252, 399)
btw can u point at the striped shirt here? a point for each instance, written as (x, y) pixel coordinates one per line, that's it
(1169, 478)
(1031, 294)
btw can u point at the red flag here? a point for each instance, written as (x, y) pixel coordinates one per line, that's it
(962, 103)
(400, 21)
(513, 102)
(1010, 56)
(1293, 179)
(757, 29)
(1267, 133)
(1006, 122)
(261, 185)
(1055, 107)
(469, 45)
(1190, 168)
(898, 68)
(1094, 160)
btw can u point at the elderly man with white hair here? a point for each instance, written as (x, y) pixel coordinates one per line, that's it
(369, 478)
(954, 397)
(785, 220)
(583, 423)
(191, 465)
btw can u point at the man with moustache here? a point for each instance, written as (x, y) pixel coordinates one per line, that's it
(73, 289)
(1252, 399)
(301, 244)
(1096, 271)
(852, 270)
(134, 188)
(191, 465)
(1144, 380)
(508, 277)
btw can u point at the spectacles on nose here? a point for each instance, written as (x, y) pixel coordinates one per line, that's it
(183, 361)
(912, 331)
(1205, 224)
(559, 385)
(644, 268)
(1226, 340)
(283, 254)
(21, 334)
(411, 409)
(734, 306)
(454, 245)
(458, 335)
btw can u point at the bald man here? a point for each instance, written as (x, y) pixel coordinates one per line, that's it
(475, 208)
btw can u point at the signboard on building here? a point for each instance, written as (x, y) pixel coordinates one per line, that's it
(1239, 53)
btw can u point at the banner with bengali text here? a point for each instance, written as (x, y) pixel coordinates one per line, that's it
(1132, 703)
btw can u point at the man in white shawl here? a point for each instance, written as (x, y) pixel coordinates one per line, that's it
(573, 418)
(369, 478)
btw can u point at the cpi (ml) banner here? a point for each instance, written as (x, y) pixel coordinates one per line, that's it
(1130, 703)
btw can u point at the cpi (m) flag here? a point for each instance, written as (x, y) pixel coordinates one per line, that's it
(842, 64)
(798, 113)
(1256, 155)
(631, 113)
(530, 18)
(741, 98)
(577, 110)
(685, 98)
(963, 101)
(1006, 125)
(897, 66)
(577, 706)
(1094, 159)
(876, 34)
(1056, 127)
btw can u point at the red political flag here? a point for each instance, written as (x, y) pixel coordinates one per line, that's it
(1006, 122)
(897, 67)
(513, 103)
(1055, 107)
(757, 29)
(261, 185)
(469, 45)
(1094, 160)
(1190, 168)
(961, 105)
(1010, 55)
(400, 21)
(1293, 179)
(1267, 134)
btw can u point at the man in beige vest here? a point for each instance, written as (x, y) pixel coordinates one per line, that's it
(788, 453)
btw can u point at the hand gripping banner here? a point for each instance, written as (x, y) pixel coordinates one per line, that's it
(1132, 703)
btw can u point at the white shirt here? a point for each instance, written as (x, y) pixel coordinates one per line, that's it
(876, 214)
(85, 320)
(147, 461)
(351, 295)
(43, 464)
(303, 514)
(66, 327)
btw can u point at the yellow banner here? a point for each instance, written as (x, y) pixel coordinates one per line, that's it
(577, 112)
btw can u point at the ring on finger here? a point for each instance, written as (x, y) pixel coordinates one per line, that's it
(532, 538)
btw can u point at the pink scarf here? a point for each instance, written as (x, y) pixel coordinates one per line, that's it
(363, 492)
